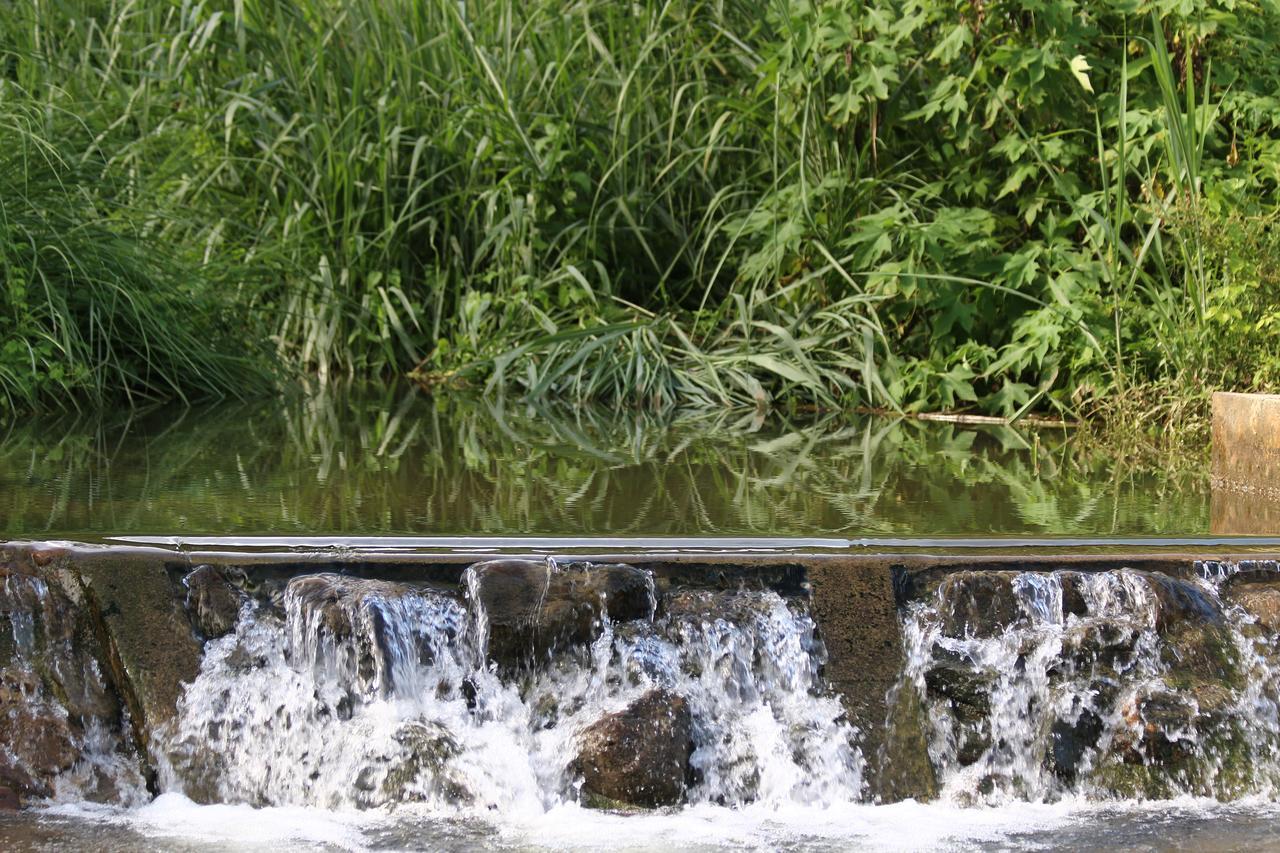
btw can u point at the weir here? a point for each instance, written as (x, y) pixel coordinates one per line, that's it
(516, 677)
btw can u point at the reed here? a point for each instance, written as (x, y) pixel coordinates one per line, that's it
(991, 207)
(90, 309)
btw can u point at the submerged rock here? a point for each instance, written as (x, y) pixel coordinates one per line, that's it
(212, 601)
(422, 771)
(967, 689)
(1106, 643)
(967, 692)
(638, 756)
(1070, 741)
(532, 606)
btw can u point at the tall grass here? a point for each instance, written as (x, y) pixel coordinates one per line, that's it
(89, 310)
(911, 206)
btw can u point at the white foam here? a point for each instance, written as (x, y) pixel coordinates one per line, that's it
(902, 826)
(176, 817)
(899, 827)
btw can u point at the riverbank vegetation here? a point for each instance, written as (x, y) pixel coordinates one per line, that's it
(1060, 208)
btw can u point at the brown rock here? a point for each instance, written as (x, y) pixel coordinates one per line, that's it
(153, 650)
(9, 799)
(39, 745)
(977, 603)
(350, 616)
(702, 605)
(854, 603)
(1180, 603)
(51, 684)
(1259, 600)
(638, 756)
(45, 556)
(334, 600)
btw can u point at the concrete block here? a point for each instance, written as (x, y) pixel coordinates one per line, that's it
(1246, 443)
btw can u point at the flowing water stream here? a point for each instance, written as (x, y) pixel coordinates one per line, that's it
(405, 709)
(1119, 684)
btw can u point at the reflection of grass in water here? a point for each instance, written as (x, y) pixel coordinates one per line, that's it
(390, 461)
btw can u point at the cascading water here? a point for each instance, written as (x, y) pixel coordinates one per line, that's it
(1115, 684)
(367, 693)
(58, 717)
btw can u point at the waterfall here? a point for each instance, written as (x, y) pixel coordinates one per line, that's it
(1116, 684)
(59, 718)
(361, 694)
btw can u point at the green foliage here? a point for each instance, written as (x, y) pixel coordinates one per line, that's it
(90, 310)
(1003, 206)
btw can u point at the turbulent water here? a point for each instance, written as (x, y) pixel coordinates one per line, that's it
(397, 705)
(1121, 684)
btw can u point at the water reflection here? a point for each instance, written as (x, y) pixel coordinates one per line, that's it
(394, 460)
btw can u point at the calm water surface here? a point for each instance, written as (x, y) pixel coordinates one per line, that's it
(399, 462)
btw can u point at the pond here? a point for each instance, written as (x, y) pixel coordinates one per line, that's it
(397, 461)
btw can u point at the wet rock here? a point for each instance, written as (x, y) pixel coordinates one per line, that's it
(1073, 600)
(362, 627)
(1196, 644)
(1180, 603)
(977, 604)
(50, 635)
(422, 772)
(153, 649)
(9, 801)
(51, 680)
(697, 606)
(1106, 644)
(39, 745)
(1070, 741)
(533, 607)
(212, 601)
(638, 756)
(1162, 727)
(333, 602)
(1199, 657)
(967, 691)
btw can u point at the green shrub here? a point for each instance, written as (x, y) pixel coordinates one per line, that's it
(1001, 206)
(88, 310)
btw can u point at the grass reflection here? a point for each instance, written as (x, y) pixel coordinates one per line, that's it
(397, 461)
